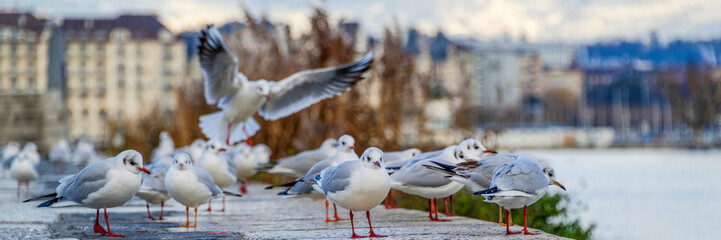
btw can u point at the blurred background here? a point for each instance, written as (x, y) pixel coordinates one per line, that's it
(623, 99)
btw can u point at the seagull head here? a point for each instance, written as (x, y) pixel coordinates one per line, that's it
(214, 147)
(373, 158)
(262, 153)
(473, 149)
(346, 143)
(30, 147)
(329, 144)
(413, 152)
(262, 87)
(182, 161)
(551, 175)
(133, 161)
(460, 155)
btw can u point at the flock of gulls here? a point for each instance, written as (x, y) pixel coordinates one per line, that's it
(196, 174)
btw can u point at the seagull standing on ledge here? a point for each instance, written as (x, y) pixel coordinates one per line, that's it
(104, 184)
(240, 98)
(299, 164)
(518, 184)
(357, 185)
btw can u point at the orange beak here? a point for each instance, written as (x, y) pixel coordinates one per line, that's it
(267, 96)
(352, 147)
(490, 151)
(221, 150)
(145, 170)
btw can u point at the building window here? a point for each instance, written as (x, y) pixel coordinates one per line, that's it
(13, 49)
(121, 83)
(31, 82)
(121, 68)
(31, 50)
(121, 51)
(139, 51)
(139, 85)
(13, 82)
(103, 115)
(82, 49)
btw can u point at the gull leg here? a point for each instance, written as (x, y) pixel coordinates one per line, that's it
(508, 223)
(243, 186)
(500, 216)
(430, 209)
(227, 139)
(435, 211)
(162, 205)
(147, 206)
(371, 233)
(525, 229)
(353, 227)
(107, 223)
(453, 211)
(445, 205)
(335, 211)
(195, 220)
(222, 210)
(209, 209)
(97, 228)
(390, 201)
(247, 139)
(27, 189)
(18, 189)
(327, 219)
(187, 218)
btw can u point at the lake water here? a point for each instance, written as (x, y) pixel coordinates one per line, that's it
(643, 193)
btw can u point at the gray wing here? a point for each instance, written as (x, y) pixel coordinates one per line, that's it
(9, 161)
(303, 161)
(336, 178)
(489, 165)
(156, 180)
(87, 181)
(305, 88)
(220, 68)
(230, 163)
(204, 178)
(418, 175)
(523, 176)
(396, 156)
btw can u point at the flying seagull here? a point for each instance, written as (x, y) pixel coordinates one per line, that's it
(239, 99)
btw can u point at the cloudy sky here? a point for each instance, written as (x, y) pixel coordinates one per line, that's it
(540, 20)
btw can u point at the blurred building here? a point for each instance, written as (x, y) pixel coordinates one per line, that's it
(116, 68)
(30, 105)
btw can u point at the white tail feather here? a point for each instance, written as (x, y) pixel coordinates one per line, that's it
(215, 127)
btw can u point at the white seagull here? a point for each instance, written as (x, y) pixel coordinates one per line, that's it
(240, 98)
(418, 180)
(245, 164)
(401, 155)
(194, 150)
(518, 184)
(166, 146)
(8, 152)
(303, 186)
(477, 175)
(84, 153)
(190, 186)
(60, 154)
(357, 185)
(299, 164)
(472, 150)
(152, 187)
(219, 166)
(23, 171)
(104, 184)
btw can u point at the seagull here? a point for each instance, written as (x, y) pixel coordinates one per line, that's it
(518, 184)
(60, 154)
(299, 164)
(357, 185)
(472, 149)
(303, 186)
(262, 154)
(240, 98)
(219, 167)
(194, 150)
(104, 184)
(245, 164)
(401, 155)
(191, 186)
(152, 186)
(84, 153)
(165, 147)
(418, 180)
(31, 154)
(8, 152)
(477, 175)
(23, 171)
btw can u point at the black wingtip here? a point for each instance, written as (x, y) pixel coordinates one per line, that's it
(52, 195)
(232, 194)
(487, 191)
(443, 165)
(49, 202)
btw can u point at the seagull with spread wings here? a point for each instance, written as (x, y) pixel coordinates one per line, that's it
(239, 99)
